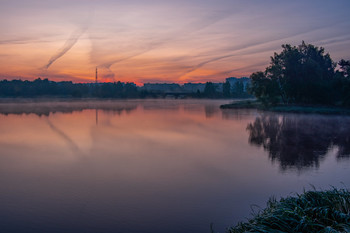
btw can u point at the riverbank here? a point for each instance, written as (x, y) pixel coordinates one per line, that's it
(287, 108)
(312, 211)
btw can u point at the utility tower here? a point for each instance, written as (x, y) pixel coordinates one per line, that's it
(96, 76)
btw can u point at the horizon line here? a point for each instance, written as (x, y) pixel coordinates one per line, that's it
(94, 81)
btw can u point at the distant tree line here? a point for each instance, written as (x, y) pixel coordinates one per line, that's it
(237, 90)
(303, 74)
(45, 88)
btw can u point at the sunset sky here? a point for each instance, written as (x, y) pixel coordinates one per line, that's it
(161, 41)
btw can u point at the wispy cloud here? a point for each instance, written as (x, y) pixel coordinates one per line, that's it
(234, 51)
(70, 42)
(154, 43)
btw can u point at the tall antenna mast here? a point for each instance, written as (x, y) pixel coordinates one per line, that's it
(96, 76)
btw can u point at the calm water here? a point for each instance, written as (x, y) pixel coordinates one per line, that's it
(157, 166)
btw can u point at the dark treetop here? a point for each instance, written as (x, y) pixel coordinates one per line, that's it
(303, 74)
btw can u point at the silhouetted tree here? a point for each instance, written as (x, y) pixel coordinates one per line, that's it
(226, 89)
(43, 87)
(267, 90)
(344, 67)
(130, 90)
(209, 90)
(302, 74)
(238, 89)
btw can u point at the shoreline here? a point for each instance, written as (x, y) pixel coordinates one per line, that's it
(85, 99)
(306, 109)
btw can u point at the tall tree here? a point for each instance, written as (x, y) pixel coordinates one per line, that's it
(301, 74)
(226, 89)
(209, 90)
(344, 67)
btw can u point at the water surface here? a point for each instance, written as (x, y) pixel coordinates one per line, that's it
(157, 165)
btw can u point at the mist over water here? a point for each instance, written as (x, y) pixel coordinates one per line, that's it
(157, 165)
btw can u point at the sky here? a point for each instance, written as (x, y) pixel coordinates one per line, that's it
(161, 41)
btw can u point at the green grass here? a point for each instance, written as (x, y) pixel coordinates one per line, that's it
(312, 211)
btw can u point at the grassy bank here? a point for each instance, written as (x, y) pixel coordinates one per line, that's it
(287, 108)
(312, 211)
(243, 104)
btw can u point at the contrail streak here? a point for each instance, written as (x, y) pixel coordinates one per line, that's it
(247, 46)
(157, 44)
(70, 42)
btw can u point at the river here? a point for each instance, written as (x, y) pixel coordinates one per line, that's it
(156, 166)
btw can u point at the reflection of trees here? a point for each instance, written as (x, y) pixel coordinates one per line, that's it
(237, 114)
(297, 141)
(46, 108)
(211, 110)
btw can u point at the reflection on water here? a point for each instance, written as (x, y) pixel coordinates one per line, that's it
(298, 141)
(45, 108)
(156, 165)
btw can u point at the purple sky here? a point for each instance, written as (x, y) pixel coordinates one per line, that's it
(161, 41)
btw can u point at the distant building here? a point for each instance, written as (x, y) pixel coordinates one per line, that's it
(193, 87)
(190, 87)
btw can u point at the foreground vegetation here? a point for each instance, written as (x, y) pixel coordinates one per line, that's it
(312, 211)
